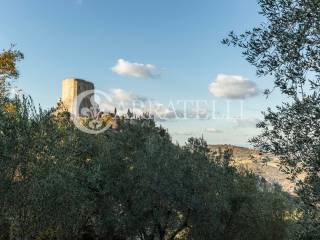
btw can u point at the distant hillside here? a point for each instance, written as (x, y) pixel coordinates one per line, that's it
(265, 165)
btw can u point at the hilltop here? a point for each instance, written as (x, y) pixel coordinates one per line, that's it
(264, 165)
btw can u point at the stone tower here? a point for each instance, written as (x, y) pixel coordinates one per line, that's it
(71, 88)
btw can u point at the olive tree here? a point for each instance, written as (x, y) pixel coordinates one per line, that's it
(8, 68)
(287, 48)
(57, 182)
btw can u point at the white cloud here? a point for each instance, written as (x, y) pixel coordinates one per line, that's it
(124, 100)
(138, 70)
(246, 122)
(213, 130)
(124, 96)
(233, 87)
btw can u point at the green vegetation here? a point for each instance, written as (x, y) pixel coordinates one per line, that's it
(8, 69)
(287, 48)
(57, 182)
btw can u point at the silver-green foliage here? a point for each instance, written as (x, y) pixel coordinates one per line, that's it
(287, 48)
(133, 183)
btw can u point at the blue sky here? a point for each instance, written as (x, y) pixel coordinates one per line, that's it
(181, 39)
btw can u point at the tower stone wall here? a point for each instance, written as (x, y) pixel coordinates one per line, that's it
(71, 89)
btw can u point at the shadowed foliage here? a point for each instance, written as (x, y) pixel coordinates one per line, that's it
(287, 47)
